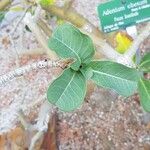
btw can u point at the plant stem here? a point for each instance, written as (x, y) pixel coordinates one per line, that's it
(104, 47)
(68, 4)
(35, 66)
(73, 17)
(44, 116)
(42, 123)
(136, 43)
(31, 23)
(21, 18)
(35, 138)
(79, 21)
(44, 27)
(70, 15)
(4, 4)
(126, 58)
(26, 125)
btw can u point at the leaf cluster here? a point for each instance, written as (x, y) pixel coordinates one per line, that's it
(67, 92)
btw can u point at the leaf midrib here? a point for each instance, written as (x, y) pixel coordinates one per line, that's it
(144, 88)
(142, 64)
(66, 87)
(113, 76)
(68, 47)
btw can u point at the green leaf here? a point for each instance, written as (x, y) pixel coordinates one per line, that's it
(87, 72)
(67, 92)
(145, 63)
(144, 92)
(68, 42)
(115, 76)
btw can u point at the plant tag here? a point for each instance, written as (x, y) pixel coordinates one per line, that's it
(117, 14)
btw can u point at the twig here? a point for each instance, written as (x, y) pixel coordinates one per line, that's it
(104, 47)
(37, 13)
(68, 4)
(13, 31)
(72, 16)
(22, 118)
(4, 4)
(126, 59)
(140, 38)
(82, 23)
(44, 27)
(21, 18)
(42, 123)
(35, 66)
(107, 50)
(26, 125)
(30, 21)
(15, 50)
(15, 4)
(36, 137)
(44, 115)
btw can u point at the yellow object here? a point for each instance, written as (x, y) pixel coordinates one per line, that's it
(123, 42)
(47, 2)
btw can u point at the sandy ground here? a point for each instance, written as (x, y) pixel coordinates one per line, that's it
(104, 122)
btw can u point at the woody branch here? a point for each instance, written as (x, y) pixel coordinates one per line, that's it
(31, 67)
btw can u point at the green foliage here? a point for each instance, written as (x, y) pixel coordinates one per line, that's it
(115, 76)
(145, 63)
(67, 92)
(144, 92)
(68, 42)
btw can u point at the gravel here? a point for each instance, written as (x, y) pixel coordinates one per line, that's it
(104, 122)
